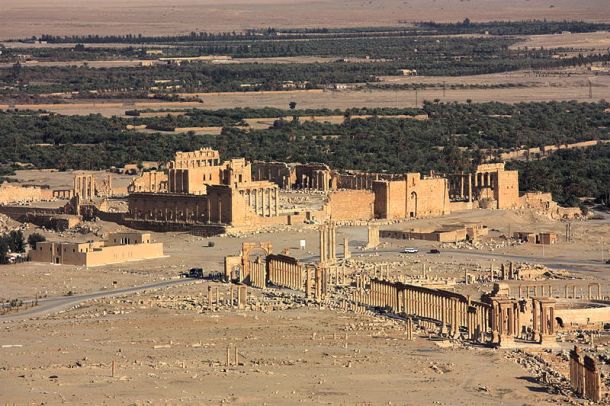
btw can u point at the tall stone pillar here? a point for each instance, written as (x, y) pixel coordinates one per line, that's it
(333, 244)
(323, 255)
(373, 236)
(308, 282)
(318, 283)
(462, 186)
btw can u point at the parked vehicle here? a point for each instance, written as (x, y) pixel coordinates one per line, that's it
(196, 273)
(411, 250)
(434, 251)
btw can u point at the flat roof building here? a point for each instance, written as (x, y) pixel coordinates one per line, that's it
(117, 248)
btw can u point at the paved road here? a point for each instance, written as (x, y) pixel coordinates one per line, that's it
(56, 304)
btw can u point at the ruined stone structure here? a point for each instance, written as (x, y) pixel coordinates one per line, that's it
(280, 270)
(349, 205)
(153, 181)
(543, 312)
(285, 271)
(497, 320)
(447, 233)
(413, 196)
(585, 376)
(536, 238)
(544, 202)
(84, 186)
(201, 190)
(491, 186)
(361, 180)
(328, 235)
(373, 236)
(192, 172)
(448, 308)
(346, 252)
(11, 193)
(316, 176)
(279, 173)
(204, 192)
(245, 269)
(117, 248)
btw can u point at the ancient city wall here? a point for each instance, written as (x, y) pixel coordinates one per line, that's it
(350, 205)
(20, 194)
(587, 315)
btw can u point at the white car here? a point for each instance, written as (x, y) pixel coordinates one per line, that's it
(411, 251)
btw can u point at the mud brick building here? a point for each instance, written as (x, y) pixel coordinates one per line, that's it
(117, 248)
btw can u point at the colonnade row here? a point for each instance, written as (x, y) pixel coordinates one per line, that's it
(285, 271)
(585, 376)
(84, 186)
(328, 243)
(507, 322)
(594, 291)
(263, 201)
(448, 308)
(466, 186)
(318, 179)
(258, 274)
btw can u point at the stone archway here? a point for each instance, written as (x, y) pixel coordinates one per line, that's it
(413, 200)
(247, 250)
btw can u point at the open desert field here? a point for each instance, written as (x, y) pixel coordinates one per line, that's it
(24, 18)
(170, 345)
(167, 355)
(591, 40)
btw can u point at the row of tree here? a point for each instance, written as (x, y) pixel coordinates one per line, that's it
(466, 26)
(455, 137)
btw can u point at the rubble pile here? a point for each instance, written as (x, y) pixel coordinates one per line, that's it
(526, 271)
(7, 224)
(543, 371)
(488, 245)
(88, 227)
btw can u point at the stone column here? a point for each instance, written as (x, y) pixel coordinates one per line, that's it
(308, 277)
(318, 283)
(323, 243)
(333, 244)
(346, 252)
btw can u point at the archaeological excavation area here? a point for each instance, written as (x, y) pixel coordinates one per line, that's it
(377, 288)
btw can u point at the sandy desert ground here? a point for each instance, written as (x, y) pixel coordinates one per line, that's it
(166, 355)
(170, 348)
(24, 18)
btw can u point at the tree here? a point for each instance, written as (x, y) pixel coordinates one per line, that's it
(293, 105)
(3, 250)
(15, 241)
(35, 238)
